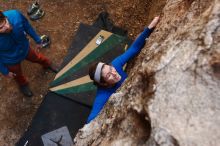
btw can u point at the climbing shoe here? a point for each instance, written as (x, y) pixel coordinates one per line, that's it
(37, 15)
(26, 90)
(45, 41)
(54, 68)
(33, 8)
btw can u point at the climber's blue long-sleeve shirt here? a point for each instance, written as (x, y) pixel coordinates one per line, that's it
(103, 94)
(14, 46)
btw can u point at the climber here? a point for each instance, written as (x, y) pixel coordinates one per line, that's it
(15, 47)
(108, 78)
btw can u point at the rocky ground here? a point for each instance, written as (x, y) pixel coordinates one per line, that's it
(60, 23)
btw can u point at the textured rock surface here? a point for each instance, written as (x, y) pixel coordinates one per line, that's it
(172, 95)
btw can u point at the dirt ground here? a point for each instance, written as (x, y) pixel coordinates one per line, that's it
(60, 23)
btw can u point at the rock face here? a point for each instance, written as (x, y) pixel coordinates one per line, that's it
(172, 94)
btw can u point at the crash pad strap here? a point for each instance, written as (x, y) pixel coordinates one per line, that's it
(76, 82)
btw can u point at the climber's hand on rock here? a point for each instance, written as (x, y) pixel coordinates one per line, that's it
(154, 22)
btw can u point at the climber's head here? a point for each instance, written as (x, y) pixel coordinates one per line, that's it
(5, 26)
(103, 74)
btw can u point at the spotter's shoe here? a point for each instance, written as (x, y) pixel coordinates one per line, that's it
(26, 90)
(54, 68)
(37, 15)
(33, 8)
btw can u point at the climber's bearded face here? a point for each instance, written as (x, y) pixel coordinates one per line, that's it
(110, 75)
(5, 26)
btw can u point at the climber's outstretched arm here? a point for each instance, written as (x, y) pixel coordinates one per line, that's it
(137, 45)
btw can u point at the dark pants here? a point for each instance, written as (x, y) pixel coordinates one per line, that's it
(32, 56)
